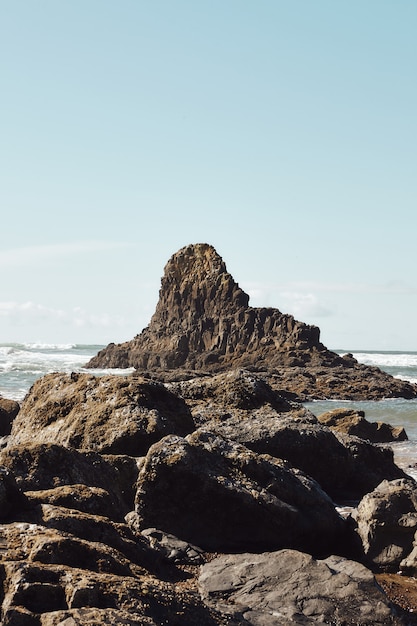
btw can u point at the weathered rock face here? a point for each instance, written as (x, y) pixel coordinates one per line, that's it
(48, 467)
(203, 322)
(109, 414)
(353, 422)
(288, 587)
(346, 468)
(221, 496)
(387, 522)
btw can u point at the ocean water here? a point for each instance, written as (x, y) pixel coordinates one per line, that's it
(22, 364)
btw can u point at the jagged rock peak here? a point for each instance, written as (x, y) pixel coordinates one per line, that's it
(196, 281)
(203, 321)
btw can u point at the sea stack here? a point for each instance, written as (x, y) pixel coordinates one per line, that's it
(203, 324)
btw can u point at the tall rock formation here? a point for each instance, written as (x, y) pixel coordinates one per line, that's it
(203, 323)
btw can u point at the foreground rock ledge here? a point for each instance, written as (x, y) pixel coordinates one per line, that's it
(203, 323)
(289, 587)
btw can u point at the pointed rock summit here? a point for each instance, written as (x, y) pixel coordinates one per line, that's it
(203, 323)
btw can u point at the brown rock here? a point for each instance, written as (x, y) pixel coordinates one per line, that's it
(46, 466)
(353, 422)
(221, 496)
(203, 322)
(108, 414)
(344, 467)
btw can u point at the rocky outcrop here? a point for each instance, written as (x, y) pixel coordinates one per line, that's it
(119, 493)
(345, 467)
(203, 323)
(288, 587)
(387, 523)
(221, 496)
(353, 422)
(108, 414)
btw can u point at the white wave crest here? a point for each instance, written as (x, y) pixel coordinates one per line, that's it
(49, 346)
(387, 359)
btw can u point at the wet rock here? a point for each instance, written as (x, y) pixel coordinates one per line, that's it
(353, 422)
(221, 496)
(172, 548)
(289, 587)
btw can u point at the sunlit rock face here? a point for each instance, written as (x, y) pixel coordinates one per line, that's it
(203, 323)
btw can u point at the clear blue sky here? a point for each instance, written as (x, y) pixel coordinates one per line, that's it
(282, 132)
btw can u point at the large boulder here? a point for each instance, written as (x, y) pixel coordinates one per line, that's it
(386, 522)
(353, 422)
(289, 587)
(203, 322)
(221, 496)
(234, 393)
(108, 414)
(346, 468)
(41, 467)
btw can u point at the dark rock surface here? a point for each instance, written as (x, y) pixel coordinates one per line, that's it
(345, 467)
(353, 422)
(8, 411)
(221, 496)
(203, 322)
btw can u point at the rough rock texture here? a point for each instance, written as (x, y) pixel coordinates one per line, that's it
(53, 578)
(345, 468)
(48, 466)
(353, 422)
(387, 521)
(288, 587)
(8, 411)
(203, 322)
(109, 414)
(221, 496)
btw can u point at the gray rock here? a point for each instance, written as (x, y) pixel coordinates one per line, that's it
(387, 521)
(288, 587)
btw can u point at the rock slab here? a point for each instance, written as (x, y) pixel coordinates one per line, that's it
(288, 587)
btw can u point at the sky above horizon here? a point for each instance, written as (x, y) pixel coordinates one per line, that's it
(282, 133)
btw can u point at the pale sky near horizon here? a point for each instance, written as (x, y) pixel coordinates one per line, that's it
(283, 133)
